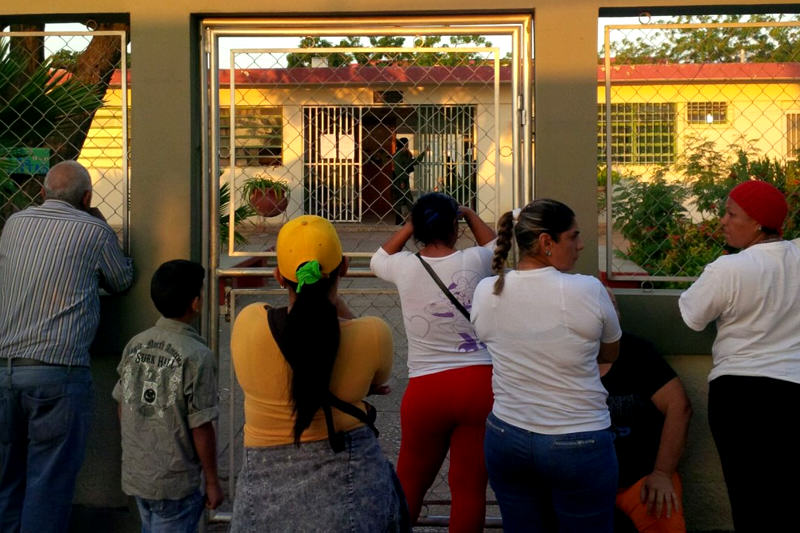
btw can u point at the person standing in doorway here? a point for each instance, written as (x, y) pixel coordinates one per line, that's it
(403, 162)
(53, 260)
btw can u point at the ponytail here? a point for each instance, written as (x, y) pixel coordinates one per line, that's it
(311, 343)
(504, 233)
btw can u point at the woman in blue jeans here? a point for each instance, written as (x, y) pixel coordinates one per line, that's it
(549, 448)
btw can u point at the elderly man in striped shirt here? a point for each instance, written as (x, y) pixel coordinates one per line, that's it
(53, 259)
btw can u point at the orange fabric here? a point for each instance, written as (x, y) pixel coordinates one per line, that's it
(629, 502)
(365, 357)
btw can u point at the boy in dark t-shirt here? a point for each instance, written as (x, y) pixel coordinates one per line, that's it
(650, 412)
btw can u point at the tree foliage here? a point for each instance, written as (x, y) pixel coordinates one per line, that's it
(380, 58)
(712, 44)
(37, 103)
(61, 75)
(47, 103)
(662, 237)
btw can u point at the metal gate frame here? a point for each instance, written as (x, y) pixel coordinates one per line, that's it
(517, 26)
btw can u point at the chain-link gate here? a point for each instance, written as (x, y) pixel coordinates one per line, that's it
(353, 120)
(685, 112)
(64, 95)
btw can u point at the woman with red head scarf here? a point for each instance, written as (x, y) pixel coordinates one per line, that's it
(754, 384)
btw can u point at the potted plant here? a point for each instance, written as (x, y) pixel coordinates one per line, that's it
(267, 196)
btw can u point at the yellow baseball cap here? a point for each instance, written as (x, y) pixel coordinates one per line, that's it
(304, 239)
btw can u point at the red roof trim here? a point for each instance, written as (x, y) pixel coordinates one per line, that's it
(484, 74)
(702, 72)
(116, 78)
(367, 74)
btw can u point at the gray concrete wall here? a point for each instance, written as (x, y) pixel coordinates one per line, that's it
(165, 175)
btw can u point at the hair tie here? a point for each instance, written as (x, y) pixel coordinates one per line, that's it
(515, 213)
(308, 274)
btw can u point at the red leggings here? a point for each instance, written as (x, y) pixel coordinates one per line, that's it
(441, 411)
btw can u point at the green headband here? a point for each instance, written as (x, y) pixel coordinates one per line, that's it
(308, 274)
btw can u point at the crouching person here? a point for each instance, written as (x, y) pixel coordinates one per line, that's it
(650, 412)
(167, 394)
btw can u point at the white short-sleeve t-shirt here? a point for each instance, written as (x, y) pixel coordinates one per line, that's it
(439, 336)
(754, 296)
(544, 333)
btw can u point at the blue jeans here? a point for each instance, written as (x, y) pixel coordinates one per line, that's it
(564, 483)
(171, 516)
(45, 412)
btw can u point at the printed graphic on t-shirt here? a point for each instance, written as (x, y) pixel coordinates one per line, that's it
(151, 378)
(459, 328)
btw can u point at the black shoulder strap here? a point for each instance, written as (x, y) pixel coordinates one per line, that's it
(336, 438)
(445, 290)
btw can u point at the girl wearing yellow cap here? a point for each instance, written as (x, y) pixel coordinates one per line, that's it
(311, 457)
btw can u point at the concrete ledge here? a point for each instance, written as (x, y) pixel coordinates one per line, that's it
(654, 315)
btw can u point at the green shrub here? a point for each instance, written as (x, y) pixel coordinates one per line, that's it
(650, 215)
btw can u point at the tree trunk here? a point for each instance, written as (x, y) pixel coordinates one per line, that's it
(94, 66)
(30, 50)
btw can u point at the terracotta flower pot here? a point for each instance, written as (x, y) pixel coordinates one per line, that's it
(267, 203)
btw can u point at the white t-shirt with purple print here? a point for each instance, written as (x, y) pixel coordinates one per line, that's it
(439, 337)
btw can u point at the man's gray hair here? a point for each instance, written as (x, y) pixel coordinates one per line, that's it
(68, 181)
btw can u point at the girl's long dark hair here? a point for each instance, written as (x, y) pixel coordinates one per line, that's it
(310, 347)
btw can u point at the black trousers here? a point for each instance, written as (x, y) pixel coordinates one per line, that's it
(755, 424)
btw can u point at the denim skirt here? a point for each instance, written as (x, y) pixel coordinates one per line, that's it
(311, 488)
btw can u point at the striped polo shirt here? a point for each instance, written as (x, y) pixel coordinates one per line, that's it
(53, 258)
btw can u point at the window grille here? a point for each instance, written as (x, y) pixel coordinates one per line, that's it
(707, 112)
(641, 133)
(792, 135)
(259, 136)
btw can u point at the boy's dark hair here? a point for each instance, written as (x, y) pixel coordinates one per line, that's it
(175, 285)
(434, 218)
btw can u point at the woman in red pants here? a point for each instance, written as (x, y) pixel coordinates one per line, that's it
(449, 393)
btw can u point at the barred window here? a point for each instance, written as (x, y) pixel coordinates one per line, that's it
(793, 135)
(259, 135)
(707, 112)
(641, 133)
